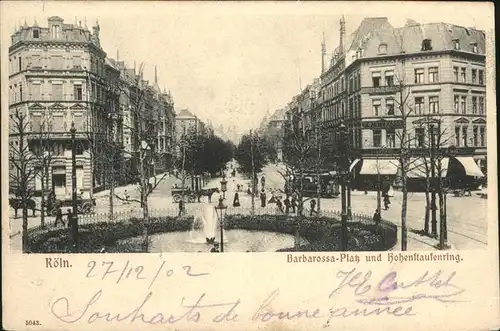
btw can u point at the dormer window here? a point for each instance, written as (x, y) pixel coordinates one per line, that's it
(474, 47)
(456, 43)
(56, 31)
(426, 45)
(382, 49)
(36, 33)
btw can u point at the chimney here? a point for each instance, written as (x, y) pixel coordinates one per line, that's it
(342, 34)
(323, 54)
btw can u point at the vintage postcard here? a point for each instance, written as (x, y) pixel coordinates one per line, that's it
(249, 166)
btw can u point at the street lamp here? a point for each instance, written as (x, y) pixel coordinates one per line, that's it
(223, 186)
(221, 210)
(344, 180)
(74, 218)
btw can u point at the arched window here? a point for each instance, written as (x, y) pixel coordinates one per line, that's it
(56, 31)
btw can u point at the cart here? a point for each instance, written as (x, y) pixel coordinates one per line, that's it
(189, 195)
(84, 206)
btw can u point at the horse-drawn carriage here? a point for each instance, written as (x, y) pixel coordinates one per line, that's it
(192, 195)
(84, 206)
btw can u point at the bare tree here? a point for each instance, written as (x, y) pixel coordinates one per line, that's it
(22, 166)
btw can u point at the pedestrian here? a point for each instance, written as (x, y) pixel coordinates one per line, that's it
(59, 217)
(70, 216)
(249, 192)
(287, 205)
(181, 207)
(279, 204)
(387, 202)
(127, 197)
(263, 198)
(263, 181)
(273, 198)
(313, 207)
(376, 216)
(236, 201)
(215, 249)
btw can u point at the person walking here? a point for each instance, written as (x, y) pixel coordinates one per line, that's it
(279, 204)
(376, 217)
(262, 198)
(236, 200)
(287, 204)
(313, 207)
(387, 202)
(59, 217)
(70, 216)
(181, 207)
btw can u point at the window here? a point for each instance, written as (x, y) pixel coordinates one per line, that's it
(420, 135)
(475, 136)
(36, 61)
(36, 91)
(77, 62)
(20, 92)
(434, 105)
(377, 138)
(464, 136)
(481, 105)
(455, 74)
(474, 76)
(419, 76)
(56, 62)
(481, 77)
(482, 136)
(426, 45)
(20, 63)
(56, 32)
(36, 33)
(463, 76)
(433, 75)
(474, 47)
(382, 49)
(389, 104)
(390, 138)
(376, 107)
(419, 105)
(57, 91)
(463, 104)
(457, 103)
(376, 79)
(36, 123)
(474, 105)
(456, 44)
(78, 95)
(389, 78)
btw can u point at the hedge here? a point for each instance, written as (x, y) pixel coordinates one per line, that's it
(322, 233)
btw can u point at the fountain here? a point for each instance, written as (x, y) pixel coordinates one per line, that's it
(208, 220)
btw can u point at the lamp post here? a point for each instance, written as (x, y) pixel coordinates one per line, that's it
(223, 185)
(221, 209)
(74, 218)
(344, 179)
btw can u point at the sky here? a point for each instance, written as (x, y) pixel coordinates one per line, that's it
(230, 62)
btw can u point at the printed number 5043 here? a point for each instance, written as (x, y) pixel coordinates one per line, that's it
(32, 322)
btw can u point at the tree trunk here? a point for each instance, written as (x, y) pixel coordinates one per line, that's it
(42, 205)
(25, 229)
(427, 207)
(404, 207)
(111, 200)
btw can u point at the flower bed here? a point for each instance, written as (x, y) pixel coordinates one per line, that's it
(322, 233)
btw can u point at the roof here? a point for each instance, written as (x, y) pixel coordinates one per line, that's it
(184, 113)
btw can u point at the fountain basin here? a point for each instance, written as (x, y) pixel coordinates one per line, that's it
(234, 241)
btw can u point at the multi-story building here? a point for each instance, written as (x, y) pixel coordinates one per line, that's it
(273, 131)
(186, 122)
(426, 78)
(56, 77)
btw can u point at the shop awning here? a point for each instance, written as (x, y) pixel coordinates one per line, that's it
(470, 166)
(353, 164)
(420, 169)
(379, 166)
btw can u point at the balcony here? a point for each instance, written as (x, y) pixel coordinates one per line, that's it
(380, 90)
